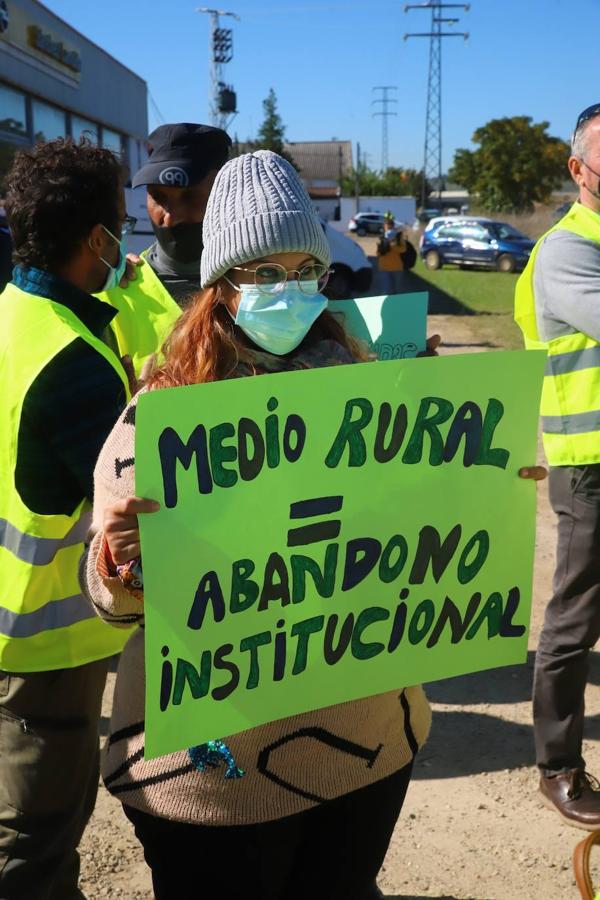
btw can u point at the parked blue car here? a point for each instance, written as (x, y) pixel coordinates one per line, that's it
(473, 241)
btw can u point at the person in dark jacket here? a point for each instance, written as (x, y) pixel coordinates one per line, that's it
(62, 387)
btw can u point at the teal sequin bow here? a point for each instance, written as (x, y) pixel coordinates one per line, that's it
(215, 754)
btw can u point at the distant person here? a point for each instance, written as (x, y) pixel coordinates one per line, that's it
(558, 309)
(390, 250)
(178, 175)
(62, 388)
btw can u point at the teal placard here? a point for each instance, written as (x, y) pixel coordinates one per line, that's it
(394, 325)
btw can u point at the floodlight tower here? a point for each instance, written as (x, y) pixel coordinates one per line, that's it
(223, 100)
(384, 112)
(432, 166)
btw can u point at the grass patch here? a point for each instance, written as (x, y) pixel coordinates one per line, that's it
(479, 290)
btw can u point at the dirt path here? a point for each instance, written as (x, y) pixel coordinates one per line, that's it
(472, 826)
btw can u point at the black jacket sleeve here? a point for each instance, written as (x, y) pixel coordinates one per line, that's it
(67, 415)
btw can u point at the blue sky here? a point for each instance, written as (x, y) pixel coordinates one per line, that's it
(524, 57)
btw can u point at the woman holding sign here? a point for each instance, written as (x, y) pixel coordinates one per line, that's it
(302, 807)
(298, 808)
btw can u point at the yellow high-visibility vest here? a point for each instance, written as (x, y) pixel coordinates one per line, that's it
(146, 315)
(45, 621)
(570, 406)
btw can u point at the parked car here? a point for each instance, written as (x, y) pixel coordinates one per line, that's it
(352, 271)
(474, 241)
(426, 215)
(366, 223)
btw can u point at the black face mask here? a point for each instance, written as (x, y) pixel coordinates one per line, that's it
(181, 243)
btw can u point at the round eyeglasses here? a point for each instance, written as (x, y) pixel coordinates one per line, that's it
(270, 278)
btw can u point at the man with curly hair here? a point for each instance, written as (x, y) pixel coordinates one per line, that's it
(62, 385)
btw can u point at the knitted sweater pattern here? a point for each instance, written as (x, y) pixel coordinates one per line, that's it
(291, 764)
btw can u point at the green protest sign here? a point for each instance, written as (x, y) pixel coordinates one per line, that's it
(331, 534)
(393, 326)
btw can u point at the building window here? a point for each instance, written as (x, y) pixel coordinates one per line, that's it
(12, 111)
(83, 128)
(48, 122)
(112, 141)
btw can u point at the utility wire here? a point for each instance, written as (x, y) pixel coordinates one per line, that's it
(156, 110)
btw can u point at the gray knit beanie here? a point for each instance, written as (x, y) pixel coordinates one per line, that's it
(257, 207)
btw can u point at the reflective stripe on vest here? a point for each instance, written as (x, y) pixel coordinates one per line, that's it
(573, 361)
(146, 315)
(55, 614)
(576, 423)
(39, 551)
(571, 390)
(45, 621)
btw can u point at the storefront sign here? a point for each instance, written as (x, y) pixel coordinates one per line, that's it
(45, 43)
(36, 40)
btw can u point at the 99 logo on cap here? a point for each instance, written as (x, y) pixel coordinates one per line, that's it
(174, 177)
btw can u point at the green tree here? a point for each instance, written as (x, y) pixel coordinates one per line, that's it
(516, 164)
(394, 182)
(271, 134)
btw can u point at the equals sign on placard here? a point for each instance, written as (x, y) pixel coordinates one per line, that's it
(317, 531)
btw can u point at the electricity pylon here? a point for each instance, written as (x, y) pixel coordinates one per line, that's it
(384, 112)
(432, 164)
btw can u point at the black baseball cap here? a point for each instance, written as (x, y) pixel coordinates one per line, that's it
(183, 154)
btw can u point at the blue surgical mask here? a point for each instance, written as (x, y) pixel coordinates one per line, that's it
(115, 273)
(279, 322)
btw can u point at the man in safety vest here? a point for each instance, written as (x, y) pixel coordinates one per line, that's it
(63, 386)
(558, 308)
(179, 173)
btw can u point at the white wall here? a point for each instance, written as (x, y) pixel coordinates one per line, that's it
(143, 236)
(326, 207)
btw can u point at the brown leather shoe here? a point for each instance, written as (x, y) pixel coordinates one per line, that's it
(575, 795)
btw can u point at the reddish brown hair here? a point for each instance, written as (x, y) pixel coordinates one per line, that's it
(206, 346)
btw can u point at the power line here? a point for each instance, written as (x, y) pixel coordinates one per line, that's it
(223, 100)
(385, 112)
(157, 112)
(432, 165)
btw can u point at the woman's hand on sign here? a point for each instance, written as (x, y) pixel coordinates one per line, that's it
(121, 527)
(535, 473)
(431, 346)
(130, 274)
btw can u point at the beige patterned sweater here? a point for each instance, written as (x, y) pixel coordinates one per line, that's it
(290, 765)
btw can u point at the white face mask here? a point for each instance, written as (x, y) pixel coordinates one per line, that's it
(280, 321)
(115, 273)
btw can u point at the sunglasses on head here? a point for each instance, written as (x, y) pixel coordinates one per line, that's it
(590, 113)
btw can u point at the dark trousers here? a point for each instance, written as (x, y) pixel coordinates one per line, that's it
(572, 623)
(331, 852)
(48, 777)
